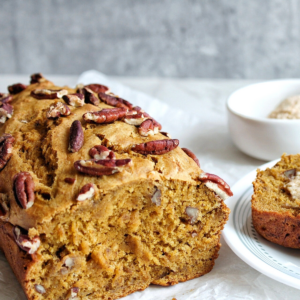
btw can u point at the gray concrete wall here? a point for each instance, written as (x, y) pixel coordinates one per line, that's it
(178, 38)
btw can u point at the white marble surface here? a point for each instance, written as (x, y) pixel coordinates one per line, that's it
(206, 100)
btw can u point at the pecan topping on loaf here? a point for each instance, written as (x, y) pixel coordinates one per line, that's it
(192, 213)
(37, 78)
(101, 152)
(101, 167)
(16, 88)
(114, 101)
(135, 119)
(48, 94)
(6, 145)
(6, 98)
(217, 184)
(6, 111)
(74, 99)
(104, 116)
(76, 137)
(90, 97)
(156, 147)
(191, 155)
(57, 110)
(24, 242)
(86, 192)
(97, 88)
(168, 135)
(148, 128)
(24, 189)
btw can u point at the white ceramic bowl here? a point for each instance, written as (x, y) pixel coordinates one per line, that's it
(251, 131)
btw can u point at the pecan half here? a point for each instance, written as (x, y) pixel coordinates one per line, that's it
(48, 94)
(156, 147)
(74, 99)
(76, 137)
(135, 119)
(37, 78)
(97, 88)
(104, 116)
(72, 294)
(6, 145)
(24, 189)
(6, 98)
(156, 197)
(40, 289)
(114, 101)
(191, 155)
(148, 128)
(86, 192)
(57, 110)
(90, 97)
(140, 110)
(6, 111)
(16, 88)
(216, 184)
(24, 242)
(101, 167)
(101, 152)
(192, 213)
(70, 180)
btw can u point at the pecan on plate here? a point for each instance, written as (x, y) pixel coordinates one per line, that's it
(156, 147)
(191, 155)
(97, 88)
(24, 242)
(76, 137)
(106, 115)
(216, 184)
(57, 110)
(74, 99)
(89, 96)
(148, 128)
(101, 167)
(6, 111)
(5, 98)
(114, 101)
(6, 145)
(24, 189)
(48, 94)
(37, 78)
(101, 152)
(16, 88)
(86, 192)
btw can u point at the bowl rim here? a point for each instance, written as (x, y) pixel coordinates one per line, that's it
(258, 119)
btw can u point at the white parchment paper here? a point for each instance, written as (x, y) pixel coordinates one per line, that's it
(200, 126)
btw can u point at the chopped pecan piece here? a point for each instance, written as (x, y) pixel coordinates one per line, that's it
(101, 152)
(70, 180)
(114, 101)
(40, 289)
(16, 88)
(74, 99)
(3, 209)
(24, 189)
(101, 167)
(48, 94)
(24, 242)
(86, 192)
(107, 115)
(72, 294)
(6, 111)
(148, 128)
(76, 137)
(135, 119)
(97, 88)
(6, 145)
(37, 78)
(156, 197)
(57, 110)
(90, 97)
(192, 213)
(156, 147)
(216, 184)
(191, 155)
(6, 98)
(290, 173)
(166, 134)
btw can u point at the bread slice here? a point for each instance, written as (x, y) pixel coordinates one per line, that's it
(73, 227)
(276, 202)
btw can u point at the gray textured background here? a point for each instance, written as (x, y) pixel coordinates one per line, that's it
(177, 38)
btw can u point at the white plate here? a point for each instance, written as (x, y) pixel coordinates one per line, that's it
(274, 261)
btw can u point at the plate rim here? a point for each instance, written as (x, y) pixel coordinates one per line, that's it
(231, 238)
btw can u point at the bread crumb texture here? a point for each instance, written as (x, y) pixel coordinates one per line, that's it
(133, 230)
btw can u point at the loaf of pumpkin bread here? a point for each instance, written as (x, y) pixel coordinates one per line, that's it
(96, 202)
